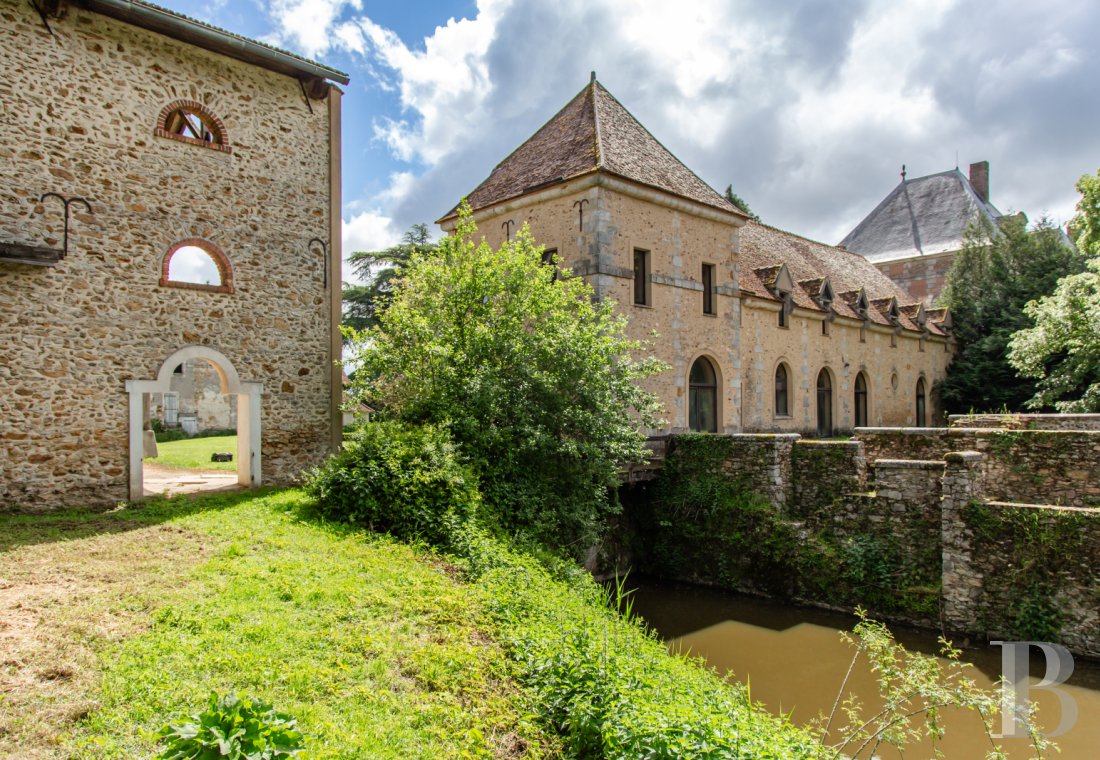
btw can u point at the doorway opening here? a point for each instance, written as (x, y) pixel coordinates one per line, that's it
(208, 422)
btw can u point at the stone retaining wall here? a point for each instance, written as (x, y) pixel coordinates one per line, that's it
(822, 472)
(1026, 421)
(1060, 467)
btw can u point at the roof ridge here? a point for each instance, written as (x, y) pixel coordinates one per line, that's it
(596, 119)
(663, 147)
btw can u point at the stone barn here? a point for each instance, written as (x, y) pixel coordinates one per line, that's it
(762, 330)
(171, 194)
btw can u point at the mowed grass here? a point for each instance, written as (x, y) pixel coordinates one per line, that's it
(117, 623)
(194, 453)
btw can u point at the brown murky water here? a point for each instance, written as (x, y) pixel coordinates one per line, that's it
(795, 659)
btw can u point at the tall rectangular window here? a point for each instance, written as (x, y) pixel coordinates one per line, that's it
(548, 260)
(641, 277)
(708, 288)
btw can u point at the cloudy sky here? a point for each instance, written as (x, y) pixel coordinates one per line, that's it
(808, 108)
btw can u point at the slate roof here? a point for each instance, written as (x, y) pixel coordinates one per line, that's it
(765, 249)
(921, 216)
(593, 132)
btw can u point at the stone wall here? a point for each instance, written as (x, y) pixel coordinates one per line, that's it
(1059, 467)
(1018, 571)
(929, 541)
(1026, 421)
(78, 119)
(823, 472)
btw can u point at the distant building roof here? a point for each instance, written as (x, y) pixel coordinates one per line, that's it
(765, 250)
(178, 26)
(925, 216)
(593, 132)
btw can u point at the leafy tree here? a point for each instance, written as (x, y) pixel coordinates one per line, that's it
(1062, 350)
(1085, 227)
(379, 270)
(993, 277)
(738, 201)
(534, 378)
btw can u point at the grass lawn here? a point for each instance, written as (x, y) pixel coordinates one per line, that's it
(116, 623)
(194, 453)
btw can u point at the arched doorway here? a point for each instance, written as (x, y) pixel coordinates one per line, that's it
(703, 397)
(248, 414)
(824, 404)
(861, 400)
(920, 403)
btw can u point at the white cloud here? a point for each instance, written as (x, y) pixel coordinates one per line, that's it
(808, 109)
(306, 25)
(193, 264)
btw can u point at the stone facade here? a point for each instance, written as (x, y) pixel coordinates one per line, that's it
(80, 118)
(680, 239)
(198, 395)
(596, 188)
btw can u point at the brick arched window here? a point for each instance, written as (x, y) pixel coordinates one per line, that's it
(193, 123)
(196, 264)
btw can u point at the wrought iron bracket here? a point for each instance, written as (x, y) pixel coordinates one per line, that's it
(68, 202)
(580, 204)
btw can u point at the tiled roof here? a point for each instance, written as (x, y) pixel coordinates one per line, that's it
(764, 249)
(593, 132)
(921, 216)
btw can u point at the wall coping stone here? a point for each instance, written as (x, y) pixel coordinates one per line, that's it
(764, 436)
(1059, 507)
(962, 457)
(909, 464)
(834, 444)
(902, 430)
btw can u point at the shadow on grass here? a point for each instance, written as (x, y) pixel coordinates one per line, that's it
(71, 524)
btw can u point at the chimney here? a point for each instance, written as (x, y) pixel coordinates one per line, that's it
(979, 179)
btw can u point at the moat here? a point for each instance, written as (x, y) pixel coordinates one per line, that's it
(795, 661)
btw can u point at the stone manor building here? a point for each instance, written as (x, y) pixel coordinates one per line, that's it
(171, 195)
(763, 330)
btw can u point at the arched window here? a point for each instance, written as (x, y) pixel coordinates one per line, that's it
(824, 404)
(920, 403)
(861, 400)
(196, 264)
(703, 397)
(782, 407)
(191, 122)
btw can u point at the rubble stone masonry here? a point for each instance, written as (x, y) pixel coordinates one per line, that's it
(79, 118)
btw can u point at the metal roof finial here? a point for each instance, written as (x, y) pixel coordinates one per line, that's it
(903, 172)
(593, 80)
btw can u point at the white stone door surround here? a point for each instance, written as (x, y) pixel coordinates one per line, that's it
(248, 414)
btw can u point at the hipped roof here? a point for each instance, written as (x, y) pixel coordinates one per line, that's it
(921, 216)
(593, 132)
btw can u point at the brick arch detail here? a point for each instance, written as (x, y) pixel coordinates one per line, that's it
(212, 119)
(225, 269)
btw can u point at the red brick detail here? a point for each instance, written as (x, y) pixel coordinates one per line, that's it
(216, 125)
(225, 269)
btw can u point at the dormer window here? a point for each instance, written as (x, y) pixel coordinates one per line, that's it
(779, 283)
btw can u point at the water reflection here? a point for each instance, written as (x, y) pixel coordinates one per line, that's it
(795, 661)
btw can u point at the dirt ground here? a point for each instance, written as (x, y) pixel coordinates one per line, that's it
(61, 600)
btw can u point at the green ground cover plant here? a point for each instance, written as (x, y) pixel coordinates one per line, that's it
(194, 453)
(134, 616)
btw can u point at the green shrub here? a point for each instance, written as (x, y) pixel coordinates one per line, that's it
(233, 727)
(403, 479)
